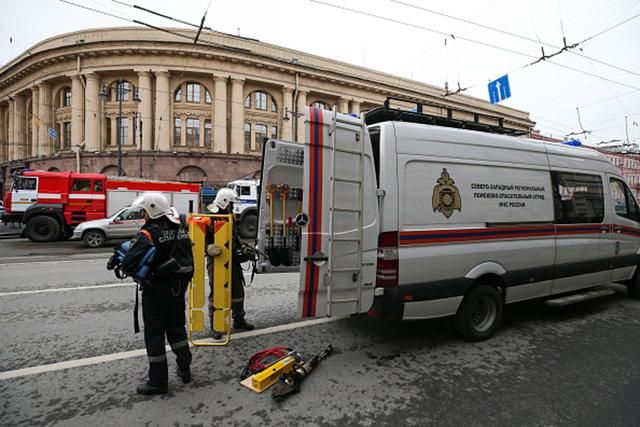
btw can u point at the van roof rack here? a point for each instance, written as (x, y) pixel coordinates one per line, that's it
(416, 115)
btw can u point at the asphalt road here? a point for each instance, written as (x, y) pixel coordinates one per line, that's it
(572, 366)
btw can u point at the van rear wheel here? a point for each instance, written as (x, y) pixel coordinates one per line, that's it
(480, 313)
(633, 287)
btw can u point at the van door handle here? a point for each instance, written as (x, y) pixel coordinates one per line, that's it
(318, 258)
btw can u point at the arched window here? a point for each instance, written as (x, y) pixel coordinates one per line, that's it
(192, 92)
(112, 170)
(259, 100)
(124, 91)
(66, 97)
(261, 120)
(191, 174)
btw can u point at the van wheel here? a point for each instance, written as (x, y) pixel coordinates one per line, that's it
(633, 287)
(480, 314)
(42, 229)
(94, 238)
(248, 227)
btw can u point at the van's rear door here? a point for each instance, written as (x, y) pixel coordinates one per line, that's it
(339, 219)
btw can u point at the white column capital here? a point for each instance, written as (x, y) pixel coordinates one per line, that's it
(217, 78)
(92, 76)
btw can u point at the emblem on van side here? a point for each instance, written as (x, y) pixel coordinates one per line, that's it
(446, 197)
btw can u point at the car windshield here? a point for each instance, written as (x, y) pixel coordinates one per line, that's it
(128, 213)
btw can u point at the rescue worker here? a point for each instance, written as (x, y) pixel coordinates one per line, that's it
(163, 295)
(223, 205)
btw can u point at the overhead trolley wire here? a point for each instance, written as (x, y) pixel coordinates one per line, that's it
(521, 37)
(481, 43)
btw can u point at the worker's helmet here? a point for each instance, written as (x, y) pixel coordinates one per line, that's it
(156, 205)
(222, 200)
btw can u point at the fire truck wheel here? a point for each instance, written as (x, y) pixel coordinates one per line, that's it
(42, 229)
(248, 227)
(94, 238)
(480, 313)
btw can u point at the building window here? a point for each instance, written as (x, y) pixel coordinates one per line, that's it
(193, 132)
(207, 96)
(260, 101)
(108, 131)
(66, 128)
(274, 132)
(124, 130)
(247, 137)
(321, 105)
(193, 92)
(178, 97)
(261, 134)
(207, 133)
(177, 131)
(66, 98)
(274, 109)
(122, 91)
(247, 102)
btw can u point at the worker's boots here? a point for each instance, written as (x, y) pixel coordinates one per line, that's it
(241, 324)
(148, 389)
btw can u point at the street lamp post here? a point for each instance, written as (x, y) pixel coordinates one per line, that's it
(121, 90)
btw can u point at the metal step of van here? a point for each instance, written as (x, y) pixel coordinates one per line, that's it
(580, 297)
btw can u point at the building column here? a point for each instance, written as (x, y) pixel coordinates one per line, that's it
(19, 128)
(45, 145)
(11, 125)
(220, 115)
(35, 121)
(93, 113)
(163, 110)
(114, 132)
(301, 116)
(287, 105)
(343, 106)
(145, 109)
(201, 131)
(183, 132)
(77, 113)
(3, 142)
(237, 115)
(355, 107)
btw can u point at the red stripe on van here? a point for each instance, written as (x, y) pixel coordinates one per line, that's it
(422, 237)
(314, 242)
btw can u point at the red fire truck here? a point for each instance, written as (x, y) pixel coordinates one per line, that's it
(50, 204)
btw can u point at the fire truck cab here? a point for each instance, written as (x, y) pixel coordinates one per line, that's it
(51, 204)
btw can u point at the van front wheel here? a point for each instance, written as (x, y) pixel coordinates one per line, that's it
(480, 313)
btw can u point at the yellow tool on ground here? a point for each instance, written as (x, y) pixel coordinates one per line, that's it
(266, 378)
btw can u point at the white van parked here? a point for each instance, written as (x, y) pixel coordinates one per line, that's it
(415, 221)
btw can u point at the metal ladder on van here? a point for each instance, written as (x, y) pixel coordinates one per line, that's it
(335, 210)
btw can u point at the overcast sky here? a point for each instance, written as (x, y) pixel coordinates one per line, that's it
(393, 37)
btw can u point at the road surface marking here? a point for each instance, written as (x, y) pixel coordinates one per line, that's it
(17, 373)
(77, 288)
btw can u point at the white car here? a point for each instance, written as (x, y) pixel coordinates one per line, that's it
(124, 224)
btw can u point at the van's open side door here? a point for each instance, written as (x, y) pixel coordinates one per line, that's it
(340, 217)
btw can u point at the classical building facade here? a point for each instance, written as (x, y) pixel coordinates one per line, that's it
(183, 111)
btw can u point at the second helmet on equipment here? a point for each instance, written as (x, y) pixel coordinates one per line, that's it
(222, 200)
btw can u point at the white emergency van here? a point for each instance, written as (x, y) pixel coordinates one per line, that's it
(413, 216)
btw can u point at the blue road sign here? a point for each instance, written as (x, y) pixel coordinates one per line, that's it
(499, 89)
(52, 133)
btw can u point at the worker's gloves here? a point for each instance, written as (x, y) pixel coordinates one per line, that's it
(213, 250)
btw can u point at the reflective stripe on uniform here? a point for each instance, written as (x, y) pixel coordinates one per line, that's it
(237, 299)
(156, 359)
(179, 344)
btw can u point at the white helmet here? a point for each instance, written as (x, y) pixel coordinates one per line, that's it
(155, 204)
(222, 200)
